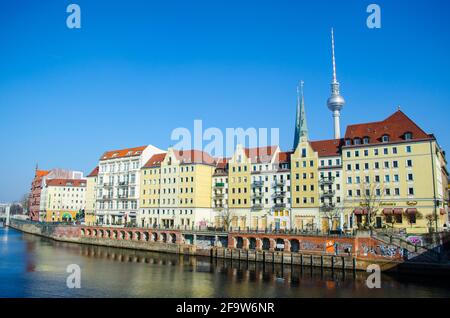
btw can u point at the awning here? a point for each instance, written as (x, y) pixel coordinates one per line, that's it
(411, 211)
(359, 211)
(387, 211)
(398, 211)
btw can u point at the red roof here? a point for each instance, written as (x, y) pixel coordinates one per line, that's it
(395, 126)
(260, 154)
(221, 163)
(194, 156)
(155, 160)
(284, 156)
(327, 148)
(42, 173)
(128, 152)
(94, 172)
(66, 182)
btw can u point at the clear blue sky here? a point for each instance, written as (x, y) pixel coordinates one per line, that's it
(138, 69)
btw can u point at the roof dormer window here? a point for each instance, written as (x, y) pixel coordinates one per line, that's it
(366, 140)
(385, 138)
(408, 136)
(348, 142)
(357, 141)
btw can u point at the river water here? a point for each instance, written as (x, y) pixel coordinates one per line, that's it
(31, 266)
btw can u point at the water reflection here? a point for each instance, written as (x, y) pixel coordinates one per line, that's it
(112, 272)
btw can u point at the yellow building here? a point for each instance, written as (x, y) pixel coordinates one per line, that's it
(304, 187)
(64, 199)
(176, 190)
(91, 197)
(392, 171)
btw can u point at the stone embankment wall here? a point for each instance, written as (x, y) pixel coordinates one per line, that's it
(354, 253)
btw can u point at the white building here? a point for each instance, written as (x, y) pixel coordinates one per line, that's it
(118, 186)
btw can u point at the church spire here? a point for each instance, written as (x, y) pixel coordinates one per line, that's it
(301, 128)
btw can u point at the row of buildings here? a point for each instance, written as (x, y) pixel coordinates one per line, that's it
(388, 173)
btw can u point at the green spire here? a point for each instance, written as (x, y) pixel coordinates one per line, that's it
(301, 128)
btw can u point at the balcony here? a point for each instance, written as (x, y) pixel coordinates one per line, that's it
(327, 207)
(279, 194)
(123, 184)
(278, 183)
(257, 195)
(257, 207)
(107, 185)
(327, 194)
(218, 195)
(257, 184)
(279, 206)
(106, 197)
(218, 207)
(326, 180)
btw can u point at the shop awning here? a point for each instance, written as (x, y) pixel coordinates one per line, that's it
(359, 211)
(387, 211)
(398, 211)
(411, 211)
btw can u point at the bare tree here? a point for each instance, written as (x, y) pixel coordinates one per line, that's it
(25, 201)
(226, 218)
(371, 196)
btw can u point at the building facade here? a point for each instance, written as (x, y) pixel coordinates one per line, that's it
(63, 199)
(176, 190)
(118, 184)
(91, 197)
(393, 169)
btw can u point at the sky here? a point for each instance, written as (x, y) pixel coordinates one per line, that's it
(138, 69)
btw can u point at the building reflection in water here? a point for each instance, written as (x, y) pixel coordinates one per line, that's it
(113, 272)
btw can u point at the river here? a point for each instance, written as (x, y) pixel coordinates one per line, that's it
(32, 266)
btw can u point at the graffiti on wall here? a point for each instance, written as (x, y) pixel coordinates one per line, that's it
(382, 250)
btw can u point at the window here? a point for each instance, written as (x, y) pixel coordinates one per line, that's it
(385, 151)
(366, 153)
(408, 149)
(409, 163)
(349, 180)
(410, 177)
(356, 153)
(349, 154)
(410, 191)
(385, 138)
(395, 164)
(366, 140)
(375, 152)
(357, 141)
(394, 150)
(408, 136)
(349, 167)
(348, 142)
(412, 218)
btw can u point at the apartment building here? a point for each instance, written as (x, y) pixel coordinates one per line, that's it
(91, 196)
(63, 199)
(331, 191)
(176, 190)
(118, 184)
(396, 167)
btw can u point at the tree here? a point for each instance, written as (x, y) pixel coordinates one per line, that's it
(371, 196)
(25, 202)
(431, 219)
(226, 217)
